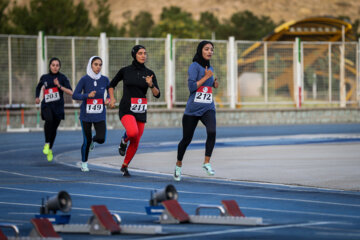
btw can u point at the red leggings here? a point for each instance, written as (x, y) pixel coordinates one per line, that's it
(134, 130)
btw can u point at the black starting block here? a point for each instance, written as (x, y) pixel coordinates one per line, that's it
(105, 223)
(230, 214)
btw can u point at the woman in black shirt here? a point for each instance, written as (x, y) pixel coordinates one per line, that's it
(133, 105)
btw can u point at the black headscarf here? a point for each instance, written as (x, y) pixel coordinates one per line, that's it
(134, 51)
(198, 56)
(54, 59)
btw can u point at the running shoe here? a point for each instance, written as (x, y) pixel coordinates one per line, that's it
(84, 167)
(122, 146)
(177, 173)
(208, 169)
(125, 172)
(92, 145)
(46, 149)
(49, 156)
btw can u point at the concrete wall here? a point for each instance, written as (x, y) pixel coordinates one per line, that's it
(172, 118)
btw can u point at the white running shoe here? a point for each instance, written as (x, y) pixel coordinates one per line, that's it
(177, 173)
(84, 167)
(208, 169)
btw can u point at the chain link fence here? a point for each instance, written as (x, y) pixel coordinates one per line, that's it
(265, 70)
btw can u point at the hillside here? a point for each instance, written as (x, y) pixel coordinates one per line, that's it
(277, 10)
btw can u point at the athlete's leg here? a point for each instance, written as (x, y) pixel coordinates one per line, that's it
(86, 130)
(134, 131)
(189, 125)
(100, 132)
(54, 126)
(209, 120)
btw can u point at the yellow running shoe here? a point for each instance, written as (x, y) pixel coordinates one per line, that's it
(50, 156)
(46, 149)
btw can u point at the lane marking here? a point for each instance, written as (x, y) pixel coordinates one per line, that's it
(185, 203)
(192, 193)
(73, 208)
(230, 231)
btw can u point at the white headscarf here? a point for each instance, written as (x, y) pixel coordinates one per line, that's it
(90, 72)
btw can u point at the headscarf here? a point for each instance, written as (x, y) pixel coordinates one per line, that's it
(89, 70)
(134, 51)
(54, 59)
(198, 56)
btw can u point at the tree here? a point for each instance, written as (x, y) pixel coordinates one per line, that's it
(209, 23)
(46, 15)
(3, 16)
(246, 26)
(141, 25)
(102, 14)
(180, 24)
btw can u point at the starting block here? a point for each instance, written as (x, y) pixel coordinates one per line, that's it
(43, 228)
(103, 223)
(230, 214)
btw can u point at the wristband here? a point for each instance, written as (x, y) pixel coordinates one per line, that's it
(59, 87)
(152, 86)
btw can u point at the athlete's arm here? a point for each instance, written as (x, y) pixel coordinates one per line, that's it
(77, 94)
(62, 88)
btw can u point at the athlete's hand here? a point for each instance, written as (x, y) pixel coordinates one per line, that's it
(216, 83)
(56, 82)
(149, 81)
(112, 102)
(92, 94)
(107, 101)
(208, 73)
(37, 100)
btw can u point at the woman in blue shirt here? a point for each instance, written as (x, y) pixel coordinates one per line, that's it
(200, 106)
(91, 90)
(52, 106)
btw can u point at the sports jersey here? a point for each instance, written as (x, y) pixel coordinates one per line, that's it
(201, 99)
(91, 109)
(53, 96)
(134, 101)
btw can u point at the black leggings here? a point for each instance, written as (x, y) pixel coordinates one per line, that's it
(50, 128)
(189, 125)
(51, 125)
(100, 137)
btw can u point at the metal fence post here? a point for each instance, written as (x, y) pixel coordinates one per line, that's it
(103, 53)
(266, 93)
(298, 79)
(232, 72)
(10, 70)
(330, 73)
(358, 72)
(169, 80)
(41, 54)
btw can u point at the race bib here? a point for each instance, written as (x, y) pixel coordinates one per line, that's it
(94, 105)
(138, 105)
(203, 95)
(51, 94)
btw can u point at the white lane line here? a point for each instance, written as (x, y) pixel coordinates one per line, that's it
(199, 193)
(73, 208)
(76, 194)
(230, 231)
(32, 176)
(192, 204)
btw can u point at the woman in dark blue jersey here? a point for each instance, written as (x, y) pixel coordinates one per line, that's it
(52, 106)
(91, 90)
(200, 106)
